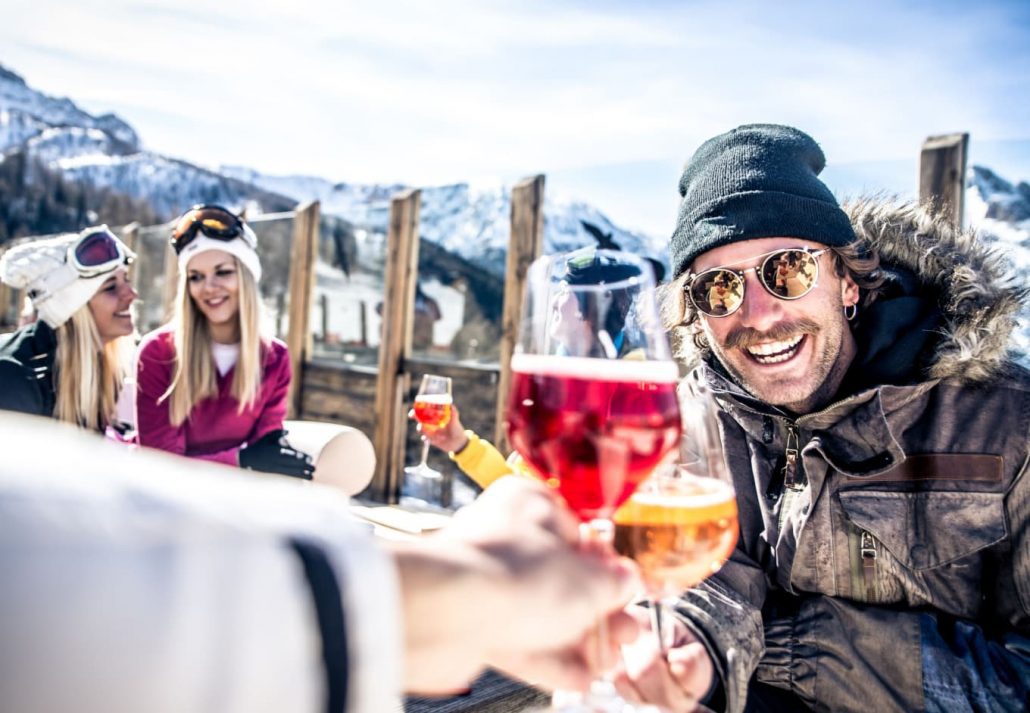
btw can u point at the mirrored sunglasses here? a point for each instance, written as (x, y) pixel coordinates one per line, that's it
(214, 222)
(787, 274)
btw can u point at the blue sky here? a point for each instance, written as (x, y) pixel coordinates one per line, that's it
(607, 98)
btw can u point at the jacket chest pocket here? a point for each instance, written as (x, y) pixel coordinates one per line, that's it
(925, 530)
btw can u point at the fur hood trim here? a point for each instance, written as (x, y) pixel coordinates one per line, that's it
(978, 294)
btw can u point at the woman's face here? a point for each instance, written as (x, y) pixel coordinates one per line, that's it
(568, 324)
(110, 306)
(214, 285)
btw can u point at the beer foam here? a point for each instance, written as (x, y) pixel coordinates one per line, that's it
(664, 372)
(714, 493)
(438, 399)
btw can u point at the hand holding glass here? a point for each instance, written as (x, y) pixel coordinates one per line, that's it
(432, 410)
(681, 525)
(592, 408)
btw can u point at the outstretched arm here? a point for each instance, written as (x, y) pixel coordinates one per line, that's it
(506, 585)
(477, 457)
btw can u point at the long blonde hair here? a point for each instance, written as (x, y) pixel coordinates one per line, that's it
(195, 378)
(89, 373)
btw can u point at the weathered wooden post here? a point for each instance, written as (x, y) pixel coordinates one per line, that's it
(942, 175)
(398, 315)
(524, 246)
(303, 253)
(171, 270)
(323, 302)
(364, 322)
(130, 235)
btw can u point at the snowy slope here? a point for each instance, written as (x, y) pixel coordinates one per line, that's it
(24, 113)
(1001, 211)
(471, 222)
(105, 151)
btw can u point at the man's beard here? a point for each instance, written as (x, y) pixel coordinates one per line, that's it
(824, 369)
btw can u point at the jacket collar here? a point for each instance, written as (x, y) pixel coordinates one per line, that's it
(855, 435)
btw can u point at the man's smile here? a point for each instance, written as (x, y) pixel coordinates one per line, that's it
(775, 352)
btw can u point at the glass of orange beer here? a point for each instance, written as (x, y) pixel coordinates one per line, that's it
(680, 526)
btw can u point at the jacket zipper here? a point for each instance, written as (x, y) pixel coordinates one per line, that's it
(791, 481)
(868, 553)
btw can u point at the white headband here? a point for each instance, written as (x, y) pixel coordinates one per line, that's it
(236, 247)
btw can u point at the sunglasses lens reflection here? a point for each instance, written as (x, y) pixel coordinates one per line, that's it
(789, 274)
(717, 292)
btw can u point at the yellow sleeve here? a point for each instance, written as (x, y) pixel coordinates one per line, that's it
(484, 463)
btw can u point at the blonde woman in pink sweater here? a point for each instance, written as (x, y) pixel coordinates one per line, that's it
(209, 384)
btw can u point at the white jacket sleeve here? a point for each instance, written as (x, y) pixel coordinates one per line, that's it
(142, 581)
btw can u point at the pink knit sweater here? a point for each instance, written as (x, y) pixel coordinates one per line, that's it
(214, 429)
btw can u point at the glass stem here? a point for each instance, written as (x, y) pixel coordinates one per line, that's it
(425, 452)
(656, 624)
(597, 535)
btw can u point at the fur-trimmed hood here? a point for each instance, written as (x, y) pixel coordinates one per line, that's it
(976, 292)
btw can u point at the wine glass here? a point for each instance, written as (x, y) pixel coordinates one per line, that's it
(680, 526)
(593, 407)
(423, 484)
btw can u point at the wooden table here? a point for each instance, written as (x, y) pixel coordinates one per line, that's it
(490, 693)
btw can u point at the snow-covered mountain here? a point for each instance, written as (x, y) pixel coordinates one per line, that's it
(471, 222)
(25, 113)
(106, 152)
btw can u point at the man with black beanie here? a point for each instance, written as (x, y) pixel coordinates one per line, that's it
(877, 433)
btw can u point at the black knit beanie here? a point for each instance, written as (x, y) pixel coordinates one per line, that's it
(756, 181)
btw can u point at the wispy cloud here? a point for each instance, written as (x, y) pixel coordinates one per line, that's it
(462, 89)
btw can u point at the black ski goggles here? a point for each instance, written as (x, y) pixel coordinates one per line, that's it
(789, 274)
(213, 221)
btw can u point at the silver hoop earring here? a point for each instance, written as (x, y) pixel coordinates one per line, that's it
(850, 315)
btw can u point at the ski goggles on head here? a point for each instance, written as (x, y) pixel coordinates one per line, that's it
(213, 221)
(592, 268)
(94, 253)
(788, 274)
(98, 251)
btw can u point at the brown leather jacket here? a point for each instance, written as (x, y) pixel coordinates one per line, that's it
(895, 573)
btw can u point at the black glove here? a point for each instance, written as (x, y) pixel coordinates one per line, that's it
(272, 453)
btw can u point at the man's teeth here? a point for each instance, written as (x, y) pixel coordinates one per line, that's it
(774, 352)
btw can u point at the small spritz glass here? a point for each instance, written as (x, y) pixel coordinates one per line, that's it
(422, 483)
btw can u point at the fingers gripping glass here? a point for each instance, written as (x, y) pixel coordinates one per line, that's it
(788, 274)
(97, 252)
(214, 222)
